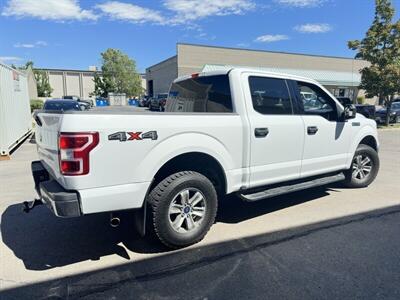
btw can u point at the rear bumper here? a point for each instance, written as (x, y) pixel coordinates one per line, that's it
(61, 202)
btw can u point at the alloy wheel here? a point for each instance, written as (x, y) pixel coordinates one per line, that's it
(187, 210)
(361, 167)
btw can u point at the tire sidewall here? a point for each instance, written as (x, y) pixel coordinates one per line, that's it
(373, 156)
(161, 218)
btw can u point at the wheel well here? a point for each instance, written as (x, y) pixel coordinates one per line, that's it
(198, 162)
(370, 141)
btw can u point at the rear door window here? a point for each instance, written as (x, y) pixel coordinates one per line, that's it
(207, 94)
(270, 96)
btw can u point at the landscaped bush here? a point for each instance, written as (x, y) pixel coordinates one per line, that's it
(36, 104)
(360, 99)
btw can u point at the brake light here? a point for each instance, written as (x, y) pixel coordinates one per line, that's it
(74, 149)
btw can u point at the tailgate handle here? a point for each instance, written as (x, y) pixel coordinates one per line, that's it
(261, 132)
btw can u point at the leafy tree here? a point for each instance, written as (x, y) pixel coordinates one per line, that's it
(43, 85)
(102, 86)
(119, 75)
(42, 80)
(28, 64)
(381, 47)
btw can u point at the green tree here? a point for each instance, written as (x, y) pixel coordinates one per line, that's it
(42, 82)
(118, 75)
(28, 64)
(381, 47)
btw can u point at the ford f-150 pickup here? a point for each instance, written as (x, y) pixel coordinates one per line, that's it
(239, 131)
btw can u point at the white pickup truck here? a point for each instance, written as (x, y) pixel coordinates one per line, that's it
(240, 131)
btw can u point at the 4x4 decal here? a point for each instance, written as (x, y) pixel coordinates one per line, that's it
(123, 136)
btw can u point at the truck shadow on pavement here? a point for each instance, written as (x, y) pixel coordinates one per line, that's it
(43, 241)
(344, 258)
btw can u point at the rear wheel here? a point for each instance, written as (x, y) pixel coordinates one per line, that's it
(184, 206)
(364, 167)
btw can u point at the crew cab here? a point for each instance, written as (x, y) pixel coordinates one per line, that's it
(241, 131)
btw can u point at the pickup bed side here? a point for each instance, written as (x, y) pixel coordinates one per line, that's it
(120, 169)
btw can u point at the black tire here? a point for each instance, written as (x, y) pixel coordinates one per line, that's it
(164, 194)
(352, 181)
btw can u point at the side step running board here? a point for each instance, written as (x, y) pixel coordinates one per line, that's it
(284, 189)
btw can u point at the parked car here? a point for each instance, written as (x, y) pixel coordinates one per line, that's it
(144, 102)
(87, 103)
(61, 105)
(394, 114)
(366, 110)
(71, 97)
(244, 131)
(159, 102)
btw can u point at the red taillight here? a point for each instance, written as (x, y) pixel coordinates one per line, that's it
(73, 142)
(74, 149)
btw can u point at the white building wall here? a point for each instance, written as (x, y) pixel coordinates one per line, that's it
(56, 81)
(73, 85)
(87, 85)
(74, 82)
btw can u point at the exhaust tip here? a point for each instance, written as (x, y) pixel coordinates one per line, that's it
(114, 222)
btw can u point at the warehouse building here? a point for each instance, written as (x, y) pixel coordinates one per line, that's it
(74, 82)
(338, 74)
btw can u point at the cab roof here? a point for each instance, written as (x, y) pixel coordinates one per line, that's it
(227, 70)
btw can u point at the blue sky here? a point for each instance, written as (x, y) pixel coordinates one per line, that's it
(71, 34)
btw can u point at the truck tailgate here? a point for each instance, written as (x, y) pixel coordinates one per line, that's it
(47, 131)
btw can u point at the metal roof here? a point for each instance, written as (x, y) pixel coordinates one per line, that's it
(267, 51)
(324, 77)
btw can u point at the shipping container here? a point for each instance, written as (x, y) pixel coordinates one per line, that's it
(15, 113)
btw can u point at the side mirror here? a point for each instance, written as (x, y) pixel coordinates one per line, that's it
(350, 112)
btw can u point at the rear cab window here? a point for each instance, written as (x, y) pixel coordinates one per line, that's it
(203, 94)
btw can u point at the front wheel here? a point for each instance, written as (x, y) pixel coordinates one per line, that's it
(184, 206)
(364, 167)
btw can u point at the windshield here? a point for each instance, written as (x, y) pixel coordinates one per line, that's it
(64, 106)
(396, 105)
(162, 96)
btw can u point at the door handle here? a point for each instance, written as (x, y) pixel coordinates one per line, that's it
(311, 130)
(261, 132)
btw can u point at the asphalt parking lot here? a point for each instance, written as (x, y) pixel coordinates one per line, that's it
(322, 243)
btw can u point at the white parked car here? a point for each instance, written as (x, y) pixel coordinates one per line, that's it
(241, 131)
